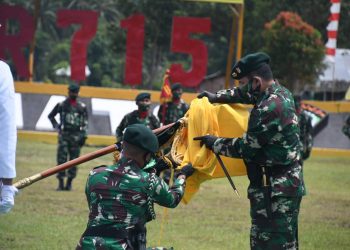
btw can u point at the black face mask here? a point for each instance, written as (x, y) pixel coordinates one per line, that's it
(144, 107)
(255, 93)
(177, 95)
(73, 97)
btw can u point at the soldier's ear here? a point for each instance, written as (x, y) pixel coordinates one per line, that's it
(257, 80)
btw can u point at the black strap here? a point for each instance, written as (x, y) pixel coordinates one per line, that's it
(106, 231)
(281, 169)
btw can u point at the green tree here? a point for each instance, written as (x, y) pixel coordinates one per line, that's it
(314, 12)
(296, 50)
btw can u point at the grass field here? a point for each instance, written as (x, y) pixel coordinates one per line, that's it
(215, 219)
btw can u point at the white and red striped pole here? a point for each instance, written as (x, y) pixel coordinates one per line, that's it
(332, 30)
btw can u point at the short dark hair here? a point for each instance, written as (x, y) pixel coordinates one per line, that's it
(133, 149)
(264, 72)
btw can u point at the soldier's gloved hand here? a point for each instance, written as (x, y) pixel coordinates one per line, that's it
(82, 141)
(57, 128)
(118, 146)
(161, 165)
(187, 171)
(211, 97)
(7, 198)
(207, 140)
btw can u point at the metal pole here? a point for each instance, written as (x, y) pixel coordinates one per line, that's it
(333, 80)
(231, 47)
(32, 44)
(240, 35)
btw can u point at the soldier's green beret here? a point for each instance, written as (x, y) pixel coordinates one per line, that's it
(176, 86)
(141, 136)
(248, 64)
(74, 87)
(142, 96)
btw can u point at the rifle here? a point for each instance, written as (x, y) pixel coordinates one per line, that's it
(163, 134)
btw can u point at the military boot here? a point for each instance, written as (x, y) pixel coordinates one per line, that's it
(60, 184)
(69, 184)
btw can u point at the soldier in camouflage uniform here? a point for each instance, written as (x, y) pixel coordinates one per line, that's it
(72, 133)
(141, 115)
(305, 126)
(270, 149)
(122, 195)
(346, 127)
(172, 111)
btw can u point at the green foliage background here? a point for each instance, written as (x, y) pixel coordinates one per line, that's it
(106, 52)
(290, 40)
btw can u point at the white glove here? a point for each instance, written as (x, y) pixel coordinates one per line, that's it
(7, 198)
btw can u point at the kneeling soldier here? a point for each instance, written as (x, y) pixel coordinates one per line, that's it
(121, 196)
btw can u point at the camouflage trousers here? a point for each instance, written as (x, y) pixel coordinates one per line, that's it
(134, 240)
(68, 149)
(278, 232)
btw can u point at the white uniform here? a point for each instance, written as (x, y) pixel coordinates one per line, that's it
(8, 137)
(8, 133)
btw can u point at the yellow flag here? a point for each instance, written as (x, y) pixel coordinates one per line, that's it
(204, 118)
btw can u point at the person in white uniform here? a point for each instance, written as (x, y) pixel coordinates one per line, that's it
(8, 139)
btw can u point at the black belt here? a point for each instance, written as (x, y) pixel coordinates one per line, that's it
(280, 169)
(106, 231)
(71, 131)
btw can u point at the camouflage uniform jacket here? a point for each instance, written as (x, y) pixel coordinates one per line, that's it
(346, 127)
(272, 140)
(306, 139)
(173, 111)
(74, 118)
(132, 118)
(119, 196)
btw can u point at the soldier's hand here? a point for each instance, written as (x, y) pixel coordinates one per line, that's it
(82, 141)
(187, 171)
(207, 140)
(57, 128)
(118, 146)
(161, 165)
(211, 97)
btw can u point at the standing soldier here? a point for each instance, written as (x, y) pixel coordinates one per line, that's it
(305, 126)
(122, 195)
(72, 132)
(142, 115)
(175, 109)
(270, 149)
(346, 127)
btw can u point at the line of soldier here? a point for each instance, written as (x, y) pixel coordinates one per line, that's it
(73, 125)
